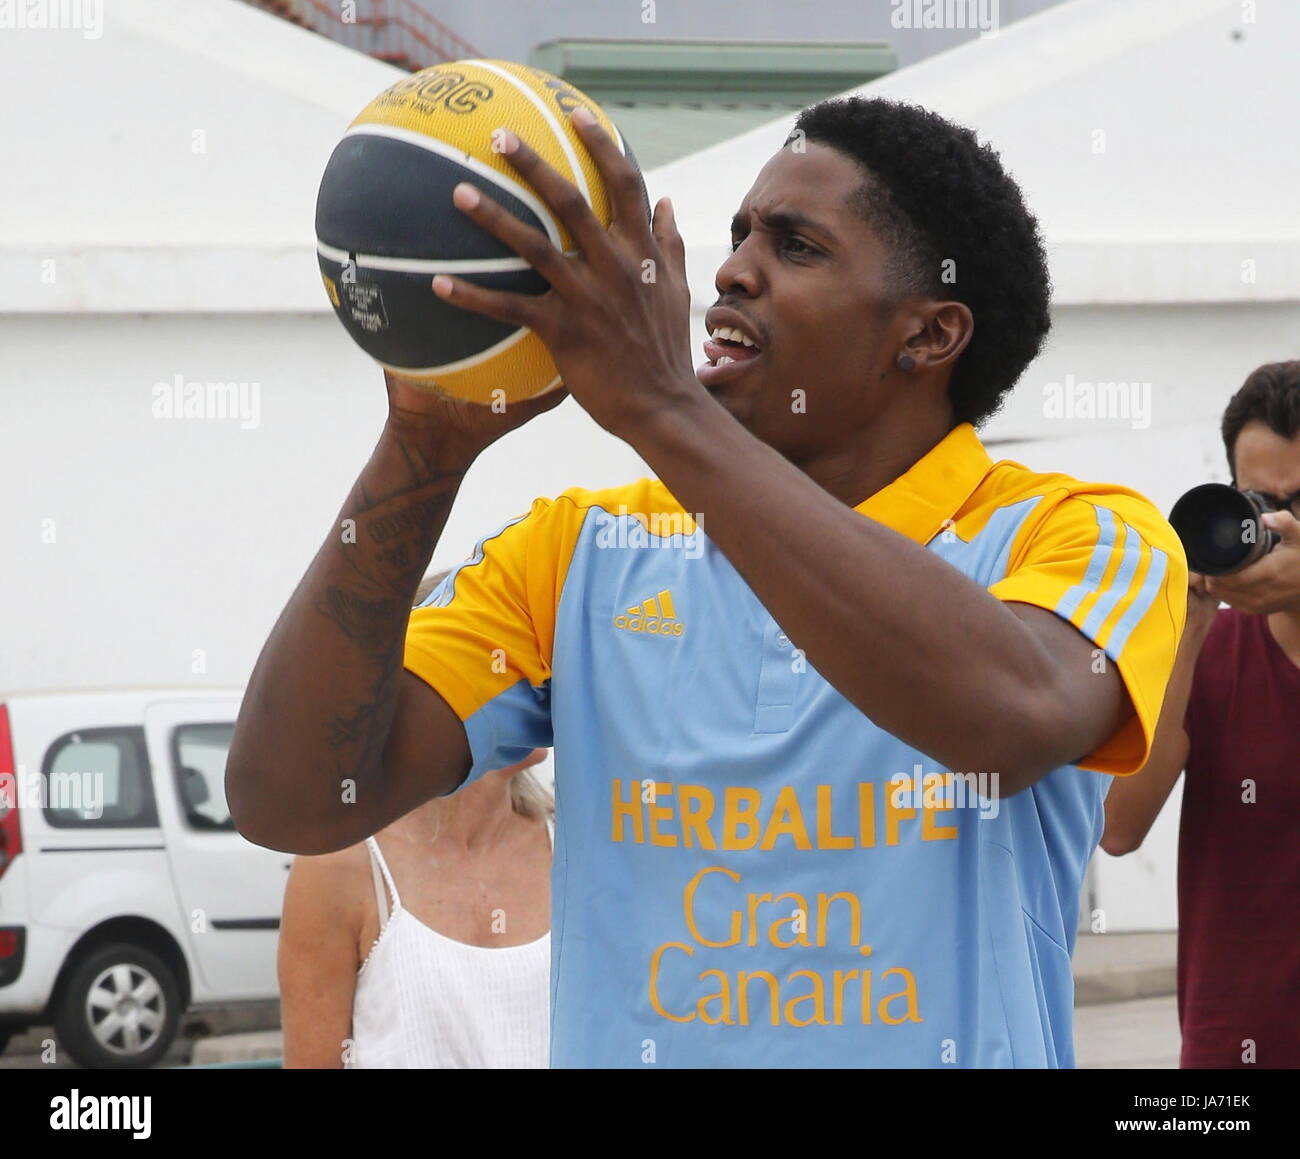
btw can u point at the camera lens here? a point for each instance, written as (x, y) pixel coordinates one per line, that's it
(1220, 529)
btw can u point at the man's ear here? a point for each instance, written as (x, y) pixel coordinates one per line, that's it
(940, 333)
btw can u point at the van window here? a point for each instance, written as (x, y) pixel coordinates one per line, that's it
(99, 779)
(199, 761)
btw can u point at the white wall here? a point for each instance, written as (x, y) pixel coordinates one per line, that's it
(177, 535)
(1142, 133)
(172, 163)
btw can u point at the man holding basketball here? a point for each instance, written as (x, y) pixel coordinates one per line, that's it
(766, 850)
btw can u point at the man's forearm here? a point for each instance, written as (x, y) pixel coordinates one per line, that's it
(320, 703)
(920, 648)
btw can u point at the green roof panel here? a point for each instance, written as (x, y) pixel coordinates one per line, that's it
(674, 97)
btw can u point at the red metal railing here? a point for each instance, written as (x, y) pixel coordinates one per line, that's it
(399, 31)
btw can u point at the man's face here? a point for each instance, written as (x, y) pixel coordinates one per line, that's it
(806, 281)
(1267, 462)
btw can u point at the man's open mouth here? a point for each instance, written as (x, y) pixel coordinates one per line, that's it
(728, 344)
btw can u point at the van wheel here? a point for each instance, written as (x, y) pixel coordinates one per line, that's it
(120, 1009)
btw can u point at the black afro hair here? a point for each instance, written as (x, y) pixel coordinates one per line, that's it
(937, 196)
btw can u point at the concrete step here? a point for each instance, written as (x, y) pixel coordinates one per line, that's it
(247, 1047)
(1123, 967)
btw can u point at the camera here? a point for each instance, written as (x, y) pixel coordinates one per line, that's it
(1221, 528)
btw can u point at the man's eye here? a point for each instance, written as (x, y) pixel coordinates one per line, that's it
(793, 244)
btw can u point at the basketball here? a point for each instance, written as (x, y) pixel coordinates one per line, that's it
(385, 223)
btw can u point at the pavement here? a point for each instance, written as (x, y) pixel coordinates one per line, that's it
(1125, 1014)
(238, 1048)
(1135, 1035)
(1123, 967)
(1125, 1035)
(218, 1035)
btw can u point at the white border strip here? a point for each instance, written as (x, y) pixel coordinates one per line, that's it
(428, 265)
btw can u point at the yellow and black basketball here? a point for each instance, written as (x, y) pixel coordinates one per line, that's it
(385, 224)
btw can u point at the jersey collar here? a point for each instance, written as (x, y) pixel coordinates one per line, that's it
(930, 492)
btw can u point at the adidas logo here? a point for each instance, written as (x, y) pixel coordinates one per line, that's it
(655, 616)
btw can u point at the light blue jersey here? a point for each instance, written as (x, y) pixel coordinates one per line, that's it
(748, 872)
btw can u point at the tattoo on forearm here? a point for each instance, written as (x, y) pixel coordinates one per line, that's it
(370, 623)
(371, 606)
(357, 730)
(418, 519)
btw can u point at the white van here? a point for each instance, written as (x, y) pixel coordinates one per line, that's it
(126, 896)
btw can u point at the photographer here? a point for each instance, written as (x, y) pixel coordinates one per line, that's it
(1231, 717)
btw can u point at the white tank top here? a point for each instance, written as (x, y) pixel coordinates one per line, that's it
(424, 1000)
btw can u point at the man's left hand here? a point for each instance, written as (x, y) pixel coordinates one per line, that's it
(617, 316)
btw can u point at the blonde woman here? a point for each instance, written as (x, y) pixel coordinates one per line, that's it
(427, 945)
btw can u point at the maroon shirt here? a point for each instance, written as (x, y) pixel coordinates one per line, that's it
(1239, 863)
